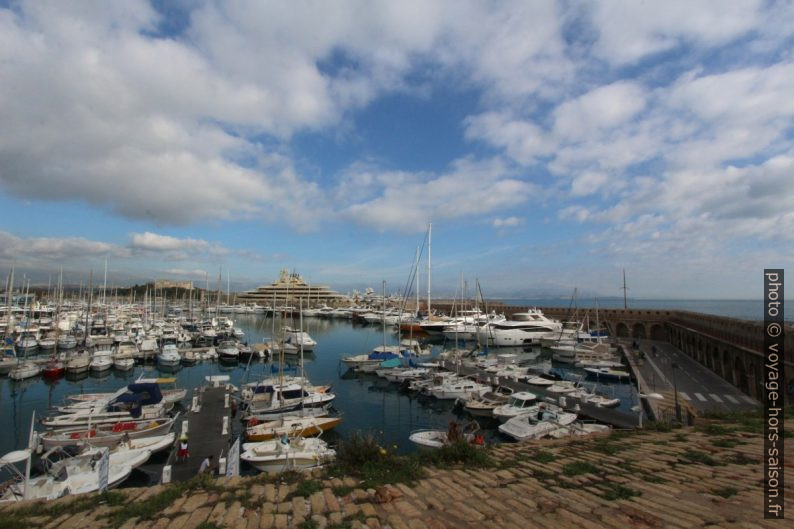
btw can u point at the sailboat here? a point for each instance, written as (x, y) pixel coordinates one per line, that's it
(370, 362)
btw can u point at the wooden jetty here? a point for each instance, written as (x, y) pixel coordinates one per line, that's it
(209, 428)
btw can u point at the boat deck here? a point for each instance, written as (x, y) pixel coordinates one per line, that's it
(205, 432)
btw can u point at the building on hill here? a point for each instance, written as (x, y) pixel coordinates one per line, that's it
(167, 283)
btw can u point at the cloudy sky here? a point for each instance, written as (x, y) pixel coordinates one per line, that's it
(551, 144)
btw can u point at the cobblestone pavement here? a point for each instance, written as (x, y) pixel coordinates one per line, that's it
(706, 477)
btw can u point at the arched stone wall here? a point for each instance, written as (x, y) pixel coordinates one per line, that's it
(740, 374)
(638, 331)
(727, 366)
(658, 333)
(622, 330)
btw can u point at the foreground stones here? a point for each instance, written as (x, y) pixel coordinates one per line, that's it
(680, 479)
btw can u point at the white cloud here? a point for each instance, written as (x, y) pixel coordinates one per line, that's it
(507, 222)
(174, 248)
(469, 188)
(629, 31)
(37, 250)
(602, 108)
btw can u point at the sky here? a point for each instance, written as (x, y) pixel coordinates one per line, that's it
(551, 144)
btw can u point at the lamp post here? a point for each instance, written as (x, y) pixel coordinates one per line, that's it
(674, 366)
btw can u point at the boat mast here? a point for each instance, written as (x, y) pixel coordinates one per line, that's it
(105, 283)
(429, 251)
(625, 304)
(383, 315)
(416, 279)
(90, 299)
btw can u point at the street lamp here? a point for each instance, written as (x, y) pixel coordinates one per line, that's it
(674, 366)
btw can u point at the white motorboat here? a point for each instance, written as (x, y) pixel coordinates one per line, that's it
(74, 475)
(593, 398)
(458, 389)
(379, 354)
(297, 338)
(607, 373)
(562, 386)
(295, 454)
(169, 355)
(87, 416)
(78, 363)
(518, 404)
(228, 351)
(288, 397)
(102, 360)
(435, 438)
(124, 364)
(47, 344)
(66, 341)
(27, 342)
(537, 380)
(290, 425)
(530, 426)
(483, 406)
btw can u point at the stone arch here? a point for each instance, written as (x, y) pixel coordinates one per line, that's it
(657, 333)
(622, 330)
(727, 367)
(700, 352)
(716, 364)
(638, 331)
(740, 374)
(752, 380)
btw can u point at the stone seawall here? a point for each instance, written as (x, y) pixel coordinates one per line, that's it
(707, 476)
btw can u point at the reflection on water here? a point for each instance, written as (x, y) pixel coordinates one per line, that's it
(365, 401)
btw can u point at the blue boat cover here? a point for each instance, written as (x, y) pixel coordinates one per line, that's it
(394, 362)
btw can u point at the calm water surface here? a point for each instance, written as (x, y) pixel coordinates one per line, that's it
(367, 403)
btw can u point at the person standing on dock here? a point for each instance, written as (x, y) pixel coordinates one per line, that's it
(182, 454)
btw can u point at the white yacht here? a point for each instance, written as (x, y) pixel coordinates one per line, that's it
(519, 403)
(228, 351)
(297, 338)
(169, 355)
(525, 328)
(458, 388)
(294, 454)
(102, 360)
(536, 425)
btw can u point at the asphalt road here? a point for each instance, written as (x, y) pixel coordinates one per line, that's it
(700, 387)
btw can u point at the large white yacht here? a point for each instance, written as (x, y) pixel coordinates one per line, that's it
(523, 328)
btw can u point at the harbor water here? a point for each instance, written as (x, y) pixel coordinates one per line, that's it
(366, 402)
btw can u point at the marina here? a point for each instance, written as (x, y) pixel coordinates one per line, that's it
(372, 393)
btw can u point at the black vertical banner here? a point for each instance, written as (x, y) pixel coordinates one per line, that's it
(774, 393)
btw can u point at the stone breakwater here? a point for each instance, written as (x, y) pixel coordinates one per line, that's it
(708, 476)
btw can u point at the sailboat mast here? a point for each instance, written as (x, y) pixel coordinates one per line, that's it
(625, 304)
(383, 314)
(105, 283)
(416, 278)
(429, 252)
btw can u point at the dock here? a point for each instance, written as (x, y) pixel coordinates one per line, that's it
(209, 430)
(616, 418)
